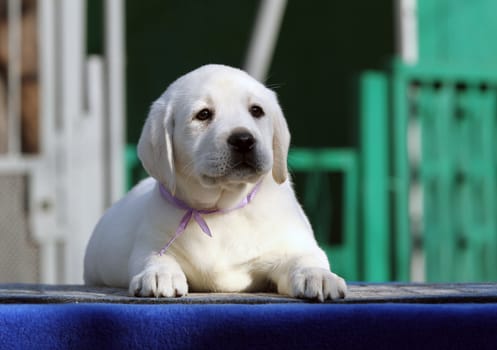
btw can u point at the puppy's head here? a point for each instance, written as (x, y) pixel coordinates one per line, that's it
(218, 126)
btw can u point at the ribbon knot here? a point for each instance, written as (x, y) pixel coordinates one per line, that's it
(197, 214)
(198, 218)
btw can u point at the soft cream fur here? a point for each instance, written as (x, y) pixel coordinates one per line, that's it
(268, 243)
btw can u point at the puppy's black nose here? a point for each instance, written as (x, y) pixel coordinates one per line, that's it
(242, 142)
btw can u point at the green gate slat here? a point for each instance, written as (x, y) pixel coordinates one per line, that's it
(487, 214)
(400, 176)
(440, 243)
(374, 172)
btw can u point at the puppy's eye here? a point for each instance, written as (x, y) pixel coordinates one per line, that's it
(204, 114)
(256, 111)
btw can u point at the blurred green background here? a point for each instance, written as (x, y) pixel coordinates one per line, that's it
(390, 158)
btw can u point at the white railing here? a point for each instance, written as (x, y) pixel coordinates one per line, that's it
(14, 75)
(264, 38)
(79, 168)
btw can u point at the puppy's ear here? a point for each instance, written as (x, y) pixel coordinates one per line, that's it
(281, 143)
(155, 148)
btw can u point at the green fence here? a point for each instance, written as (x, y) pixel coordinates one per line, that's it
(451, 114)
(457, 113)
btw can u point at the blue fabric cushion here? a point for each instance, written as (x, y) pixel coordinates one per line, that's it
(263, 326)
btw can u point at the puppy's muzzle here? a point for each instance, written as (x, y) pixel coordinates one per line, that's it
(241, 142)
(246, 159)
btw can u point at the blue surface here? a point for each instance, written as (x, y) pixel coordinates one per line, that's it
(264, 326)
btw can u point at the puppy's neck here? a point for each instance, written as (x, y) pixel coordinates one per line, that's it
(221, 197)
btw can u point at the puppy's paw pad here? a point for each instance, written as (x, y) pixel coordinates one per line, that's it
(317, 283)
(159, 282)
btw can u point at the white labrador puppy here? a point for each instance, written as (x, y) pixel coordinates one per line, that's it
(215, 144)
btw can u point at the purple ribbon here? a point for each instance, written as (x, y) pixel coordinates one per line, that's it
(196, 214)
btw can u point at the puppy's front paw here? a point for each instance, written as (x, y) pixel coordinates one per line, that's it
(159, 281)
(317, 283)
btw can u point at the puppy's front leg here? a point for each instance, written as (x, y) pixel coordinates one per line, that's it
(309, 278)
(161, 277)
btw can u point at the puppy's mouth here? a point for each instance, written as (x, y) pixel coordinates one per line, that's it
(243, 170)
(245, 164)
